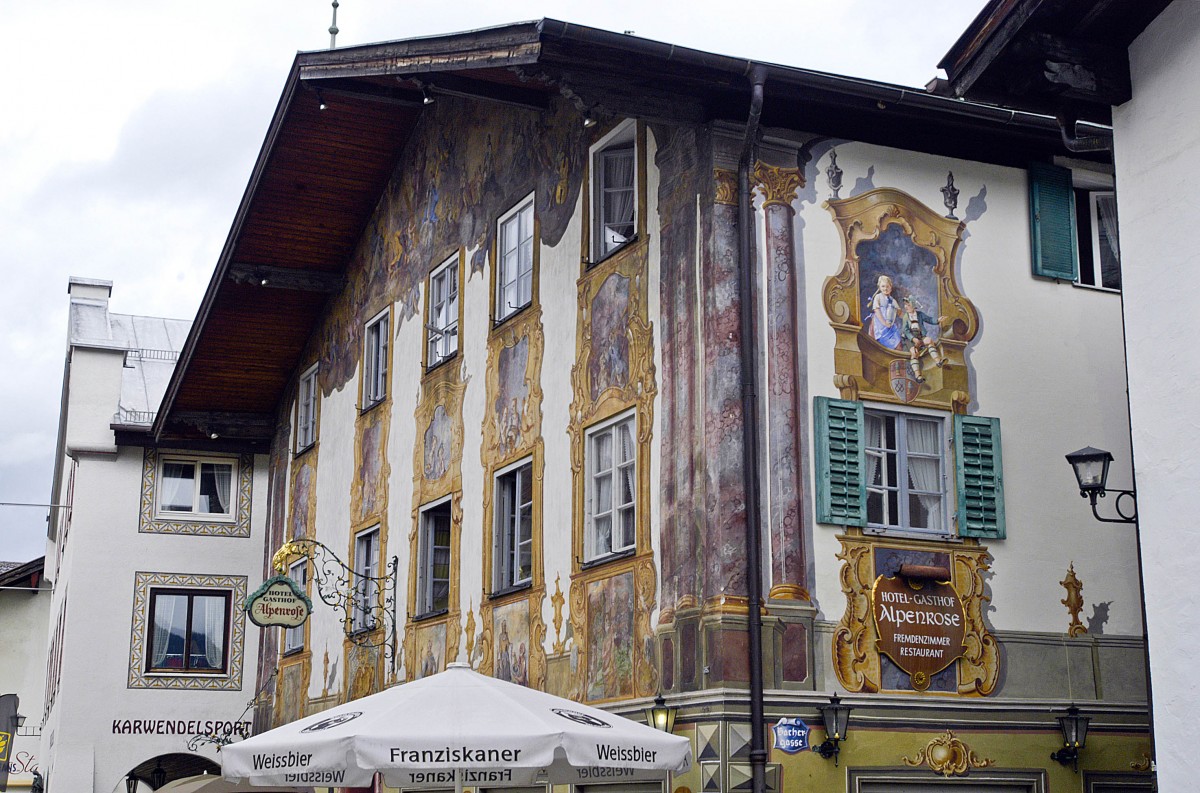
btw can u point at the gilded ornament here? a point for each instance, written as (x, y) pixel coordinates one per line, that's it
(949, 756)
(470, 630)
(1073, 601)
(1144, 764)
(725, 186)
(557, 601)
(778, 185)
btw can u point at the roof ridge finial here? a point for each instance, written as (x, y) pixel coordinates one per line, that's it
(333, 29)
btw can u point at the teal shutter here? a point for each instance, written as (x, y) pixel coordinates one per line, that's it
(841, 462)
(980, 477)
(1052, 222)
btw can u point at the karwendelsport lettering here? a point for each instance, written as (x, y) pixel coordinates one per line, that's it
(611, 752)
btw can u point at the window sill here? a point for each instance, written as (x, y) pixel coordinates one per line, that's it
(431, 368)
(516, 312)
(363, 630)
(187, 673)
(296, 455)
(368, 408)
(1095, 288)
(499, 593)
(293, 651)
(611, 557)
(194, 517)
(592, 264)
(912, 534)
(428, 615)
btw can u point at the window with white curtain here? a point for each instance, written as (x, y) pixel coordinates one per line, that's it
(513, 550)
(441, 327)
(375, 360)
(614, 194)
(514, 273)
(366, 580)
(306, 410)
(611, 501)
(1098, 241)
(293, 638)
(433, 560)
(906, 464)
(201, 487)
(188, 630)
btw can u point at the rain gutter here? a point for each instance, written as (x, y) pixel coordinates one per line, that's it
(745, 233)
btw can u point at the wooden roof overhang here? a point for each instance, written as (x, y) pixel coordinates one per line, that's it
(1059, 57)
(319, 175)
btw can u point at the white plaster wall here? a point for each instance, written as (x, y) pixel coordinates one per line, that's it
(24, 617)
(95, 392)
(1158, 159)
(103, 553)
(1047, 361)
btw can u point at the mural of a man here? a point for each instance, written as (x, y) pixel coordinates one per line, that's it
(916, 338)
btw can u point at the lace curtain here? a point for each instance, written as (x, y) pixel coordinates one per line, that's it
(167, 610)
(924, 473)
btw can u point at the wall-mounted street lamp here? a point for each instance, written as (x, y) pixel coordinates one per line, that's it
(660, 716)
(836, 717)
(1091, 473)
(1074, 728)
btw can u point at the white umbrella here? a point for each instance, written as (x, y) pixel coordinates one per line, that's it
(458, 727)
(209, 783)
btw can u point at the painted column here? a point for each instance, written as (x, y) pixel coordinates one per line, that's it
(788, 573)
(725, 497)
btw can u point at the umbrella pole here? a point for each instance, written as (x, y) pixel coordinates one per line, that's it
(458, 775)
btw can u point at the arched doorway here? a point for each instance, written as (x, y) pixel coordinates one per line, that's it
(157, 771)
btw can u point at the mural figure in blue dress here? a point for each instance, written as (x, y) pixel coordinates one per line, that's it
(884, 312)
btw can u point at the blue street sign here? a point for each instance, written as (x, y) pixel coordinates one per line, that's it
(791, 735)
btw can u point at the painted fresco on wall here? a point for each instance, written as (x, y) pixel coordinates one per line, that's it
(608, 363)
(289, 702)
(362, 666)
(512, 395)
(610, 651)
(370, 468)
(430, 651)
(438, 441)
(467, 163)
(512, 650)
(902, 324)
(302, 495)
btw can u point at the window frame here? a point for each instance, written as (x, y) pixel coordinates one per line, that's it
(377, 361)
(1088, 244)
(501, 310)
(190, 593)
(230, 516)
(364, 575)
(623, 136)
(306, 409)
(435, 335)
(592, 555)
(506, 542)
(293, 638)
(903, 491)
(426, 549)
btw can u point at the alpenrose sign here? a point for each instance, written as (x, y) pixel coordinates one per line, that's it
(279, 601)
(921, 625)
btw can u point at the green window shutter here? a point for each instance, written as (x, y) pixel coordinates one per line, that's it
(980, 477)
(841, 462)
(1052, 222)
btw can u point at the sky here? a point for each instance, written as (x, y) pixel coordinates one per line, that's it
(129, 131)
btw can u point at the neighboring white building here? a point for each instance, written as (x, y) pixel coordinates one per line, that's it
(24, 612)
(150, 540)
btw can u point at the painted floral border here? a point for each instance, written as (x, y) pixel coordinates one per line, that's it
(149, 524)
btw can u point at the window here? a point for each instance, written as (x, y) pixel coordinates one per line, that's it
(514, 527)
(196, 487)
(611, 499)
(188, 630)
(514, 277)
(433, 560)
(293, 638)
(366, 576)
(442, 325)
(1073, 215)
(306, 410)
(905, 457)
(614, 165)
(375, 360)
(1099, 251)
(888, 470)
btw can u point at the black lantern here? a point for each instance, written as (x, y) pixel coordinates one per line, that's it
(661, 717)
(158, 777)
(1074, 728)
(836, 717)
(1091, 474)
(131, 784)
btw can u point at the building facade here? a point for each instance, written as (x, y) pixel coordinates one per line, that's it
(150, 558)
(24, 612)
(566, 345)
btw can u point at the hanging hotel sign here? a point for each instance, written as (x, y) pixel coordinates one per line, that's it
(279, 601)
(921, 625)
